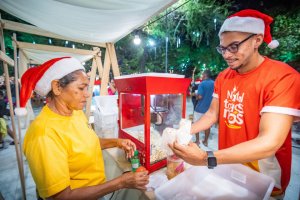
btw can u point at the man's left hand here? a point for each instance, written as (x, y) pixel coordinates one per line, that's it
(191, 153)
(128, 146)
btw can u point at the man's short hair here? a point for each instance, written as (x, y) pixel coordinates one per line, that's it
(208, 73)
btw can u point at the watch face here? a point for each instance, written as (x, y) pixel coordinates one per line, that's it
(212, 162)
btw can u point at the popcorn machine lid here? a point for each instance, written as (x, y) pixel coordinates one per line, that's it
(152, 83)
(151, 74)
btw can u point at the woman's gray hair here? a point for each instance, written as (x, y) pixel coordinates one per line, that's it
(66, 80)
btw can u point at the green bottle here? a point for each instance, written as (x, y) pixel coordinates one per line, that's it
(135, 161)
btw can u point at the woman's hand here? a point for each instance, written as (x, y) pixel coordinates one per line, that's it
(191, 153)
(135, 180)
(128, 146)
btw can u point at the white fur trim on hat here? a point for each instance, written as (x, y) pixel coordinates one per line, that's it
(274, 44)
(21, 111)
(243, 24)
(57, 71)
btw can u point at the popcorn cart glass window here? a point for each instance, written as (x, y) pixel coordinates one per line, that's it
(149, 103)
(132, 115)
(165, 111)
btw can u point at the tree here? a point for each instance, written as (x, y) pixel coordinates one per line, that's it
(286, 29)
(192, 33)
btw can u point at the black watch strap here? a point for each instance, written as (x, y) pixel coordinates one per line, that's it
(211, 160)
(210, 154)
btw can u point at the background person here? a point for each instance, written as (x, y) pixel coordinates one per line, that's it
(194, 89)
(64, 154)
(255, 101)
(4, 128)
(204, 98)
(112, 90)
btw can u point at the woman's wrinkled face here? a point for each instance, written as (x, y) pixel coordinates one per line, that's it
(75, 94)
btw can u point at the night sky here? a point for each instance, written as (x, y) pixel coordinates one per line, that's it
(263, 5)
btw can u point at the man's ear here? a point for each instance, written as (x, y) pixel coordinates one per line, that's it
(56, 89)
(258, 40)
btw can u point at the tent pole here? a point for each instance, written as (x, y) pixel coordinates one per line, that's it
(91, 86)
(22, 63)
(99, 63)
(18, 98)
(114, 60)
(105, 75)
(8, 89)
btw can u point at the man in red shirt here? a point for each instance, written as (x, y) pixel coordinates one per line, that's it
(256, 99)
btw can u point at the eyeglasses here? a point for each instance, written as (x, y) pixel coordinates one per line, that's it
(232, 48)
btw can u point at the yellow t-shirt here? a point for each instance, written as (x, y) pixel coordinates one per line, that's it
(3, 127)
(63, 151)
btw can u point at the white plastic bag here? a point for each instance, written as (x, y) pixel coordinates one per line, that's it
(182, 134)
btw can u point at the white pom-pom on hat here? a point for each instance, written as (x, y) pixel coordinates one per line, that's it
(20, 111)
(273, 44)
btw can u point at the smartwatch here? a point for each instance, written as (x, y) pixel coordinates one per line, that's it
(211, 160)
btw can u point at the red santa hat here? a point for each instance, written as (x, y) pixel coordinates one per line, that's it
(250, 21)
(39, 78)
(198, 81)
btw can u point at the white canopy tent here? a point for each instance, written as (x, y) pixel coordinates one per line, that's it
(96, 22)
(93, 20)
(100, 23)
(40, 56)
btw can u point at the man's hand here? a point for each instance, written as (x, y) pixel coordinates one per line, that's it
(191, 153)
(128, 146)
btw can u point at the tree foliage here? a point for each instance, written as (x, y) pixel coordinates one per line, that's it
(192, 34)
(286, 29)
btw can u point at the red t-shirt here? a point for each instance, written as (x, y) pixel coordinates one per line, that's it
(271, 87)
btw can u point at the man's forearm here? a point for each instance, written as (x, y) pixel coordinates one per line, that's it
(208, 119)
(203, 123)
(273, 131)
(251, 150)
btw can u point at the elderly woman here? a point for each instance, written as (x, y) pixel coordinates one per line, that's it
(64, 154)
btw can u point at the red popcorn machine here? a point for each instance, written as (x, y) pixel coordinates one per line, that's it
(148, 103)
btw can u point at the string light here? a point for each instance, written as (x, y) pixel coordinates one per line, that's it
(151, 42)
(137, 40)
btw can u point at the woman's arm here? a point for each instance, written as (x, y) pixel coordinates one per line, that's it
(125, 144)
(136, 180)
(108, 142)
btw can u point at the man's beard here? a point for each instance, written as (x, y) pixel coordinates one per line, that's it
(237, 68)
